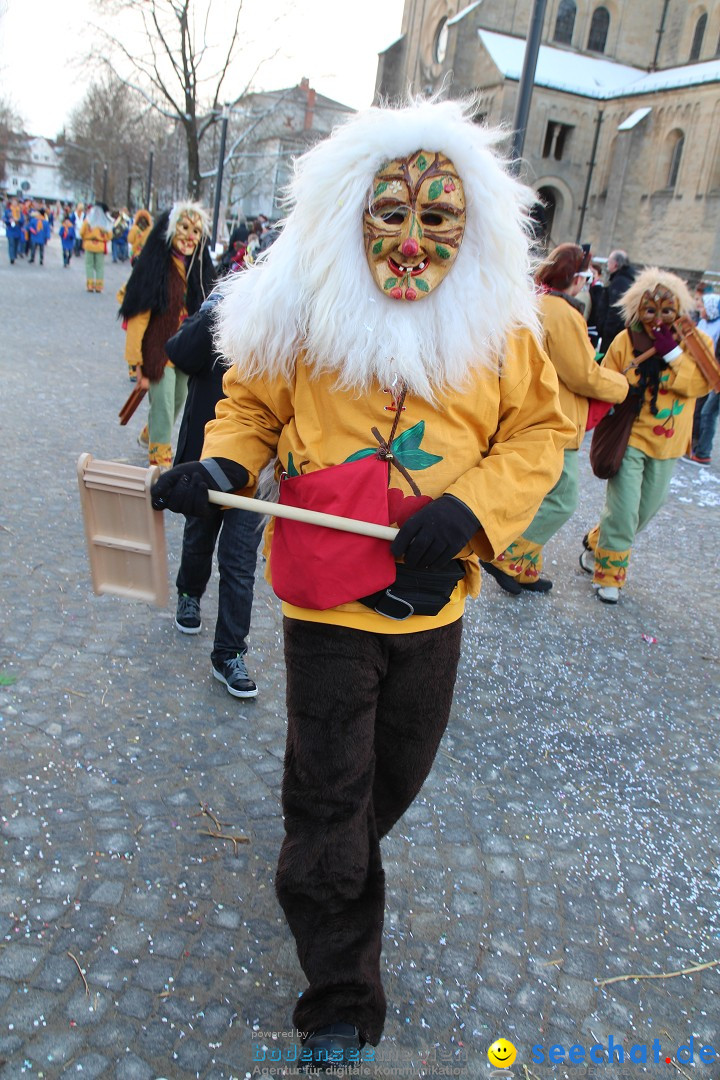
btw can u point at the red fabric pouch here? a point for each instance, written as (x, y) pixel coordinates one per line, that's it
(319, 568)
(596, 411)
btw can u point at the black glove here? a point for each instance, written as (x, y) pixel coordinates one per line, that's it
(184, 489)
(433, 536)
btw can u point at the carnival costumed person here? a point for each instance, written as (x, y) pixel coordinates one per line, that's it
(169, 281)
(566, 340)
(663, 387)
(14, 220)
(138, 234)
(67, 240)
(385, 349)
(95, 233)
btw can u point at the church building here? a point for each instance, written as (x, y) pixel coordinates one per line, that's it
(623, 139)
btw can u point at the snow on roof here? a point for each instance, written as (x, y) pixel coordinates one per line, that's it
(590, 76)
(465, 11)
(634, 119)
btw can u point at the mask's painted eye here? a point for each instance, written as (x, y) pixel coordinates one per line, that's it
(432, 219)
(390, 213)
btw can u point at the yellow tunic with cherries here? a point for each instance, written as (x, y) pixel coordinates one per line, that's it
(668, 434)
(496, 445)
(579, 375)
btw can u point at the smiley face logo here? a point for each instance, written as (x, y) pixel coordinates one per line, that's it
(501, 1054)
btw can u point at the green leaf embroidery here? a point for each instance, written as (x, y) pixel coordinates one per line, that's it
(435, 190)
(603, 562)
(416, 459)
(377, 247)
(389, 283)
(442, 251)
(359, 454)
(410, 439)
(677, 408)
(291, 470)
(663, 414)
(421, 163)
(422, 285)
(620, 562)
(382, 186)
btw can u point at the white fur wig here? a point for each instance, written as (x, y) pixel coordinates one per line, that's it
(180, 209)
(314, 289)
(647, 281)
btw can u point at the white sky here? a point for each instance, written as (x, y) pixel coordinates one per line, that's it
(334, 44)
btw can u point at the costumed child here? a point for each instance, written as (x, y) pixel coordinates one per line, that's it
(95, 233)
(663, 389)
(386, 350)
(566, 340)
(169, 281)
(38, 234)
(67, 240)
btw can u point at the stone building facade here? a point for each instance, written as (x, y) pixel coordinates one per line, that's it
(623, 139)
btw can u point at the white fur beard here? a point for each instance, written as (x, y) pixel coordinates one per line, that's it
(347, 327)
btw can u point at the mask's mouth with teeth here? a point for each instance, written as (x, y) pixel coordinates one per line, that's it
(414, 271)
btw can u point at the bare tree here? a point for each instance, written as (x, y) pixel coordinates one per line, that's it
(11, 126)
(181, 74)
(105, 145)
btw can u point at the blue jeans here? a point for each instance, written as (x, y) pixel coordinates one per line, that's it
(708, 425)
(13, 247)
(239, 537)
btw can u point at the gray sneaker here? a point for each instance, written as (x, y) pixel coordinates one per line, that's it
(187, 616)
(234, 675)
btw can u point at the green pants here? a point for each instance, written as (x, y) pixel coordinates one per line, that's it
(94, 265)
(558, 505)
(167, 398)
(633, 498)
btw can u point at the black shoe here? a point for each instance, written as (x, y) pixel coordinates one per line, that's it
(542, 584)
(333, 1046)
(509, 584)
(187, 616)
(234, 674)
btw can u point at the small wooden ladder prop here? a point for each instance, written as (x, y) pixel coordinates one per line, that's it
(125, 536)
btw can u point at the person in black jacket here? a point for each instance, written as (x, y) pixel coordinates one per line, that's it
(621, 278)
(237, 533)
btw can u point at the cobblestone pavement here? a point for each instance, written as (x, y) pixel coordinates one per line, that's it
(568, 832)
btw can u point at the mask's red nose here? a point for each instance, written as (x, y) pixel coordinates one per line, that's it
(409, 247)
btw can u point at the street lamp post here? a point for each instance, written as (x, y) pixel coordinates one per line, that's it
(527, 80)
(150, 177)
(219, 175)
(105, 176)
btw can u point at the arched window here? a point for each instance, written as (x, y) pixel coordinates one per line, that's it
(441, 42)
(599, 30)
(565, 22)
(698, 36)
(677, 142)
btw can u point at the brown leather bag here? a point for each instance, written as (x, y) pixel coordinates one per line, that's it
(611, 437)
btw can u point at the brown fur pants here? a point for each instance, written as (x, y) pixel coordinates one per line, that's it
(366, 713)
